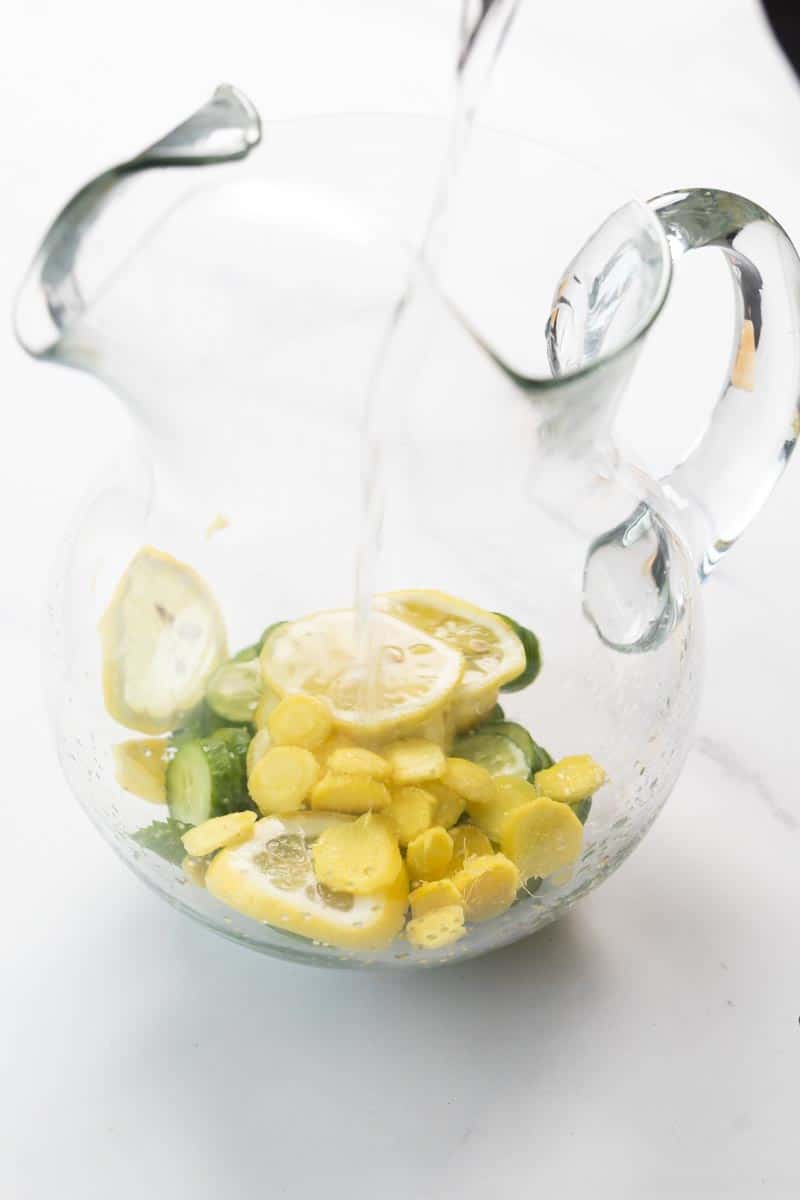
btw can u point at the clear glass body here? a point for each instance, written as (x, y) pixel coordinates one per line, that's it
(237, 309)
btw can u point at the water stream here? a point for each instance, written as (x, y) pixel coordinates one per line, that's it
(484, 27)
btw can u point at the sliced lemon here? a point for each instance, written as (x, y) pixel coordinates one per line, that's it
(492, 652)
(409, 673)
(162, 637)
(271, 879)
(467, 711)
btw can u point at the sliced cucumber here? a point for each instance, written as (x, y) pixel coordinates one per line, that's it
(267, 632)
(164, 839)
(545, 760)
(498, 754)
(248, 654)
(533, 657)
(539, 758)
(518, 734)
(234, 689)
(535, 755)
(251, 652)
(202, 721)
(494, 715)
(582, 809)
(208, 777)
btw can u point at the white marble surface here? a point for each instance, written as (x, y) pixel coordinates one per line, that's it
(649, 1045)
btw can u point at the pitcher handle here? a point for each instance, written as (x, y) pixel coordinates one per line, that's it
(724, 481)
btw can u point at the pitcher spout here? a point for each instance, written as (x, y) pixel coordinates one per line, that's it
(100, 227)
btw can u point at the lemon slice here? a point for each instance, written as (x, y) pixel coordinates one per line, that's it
(492, 652)
(162, 637)
(409, 673)
(271, 879)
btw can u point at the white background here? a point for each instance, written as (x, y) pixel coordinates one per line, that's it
(647, 1046)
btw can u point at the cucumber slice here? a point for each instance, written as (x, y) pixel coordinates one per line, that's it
(253, 651)
(494, 715)
(164, 839)
(545, 760)
(582, 809)
(248, 654)
(200, 722)
(538, 756)
(260, 643)
(535, 755)
(208, 777)
(498, 754)
(533, 657)
(234, 689)
(518, 734)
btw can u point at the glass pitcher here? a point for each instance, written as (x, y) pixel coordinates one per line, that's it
(233, 285)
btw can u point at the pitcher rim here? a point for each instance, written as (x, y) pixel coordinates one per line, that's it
(31, 291)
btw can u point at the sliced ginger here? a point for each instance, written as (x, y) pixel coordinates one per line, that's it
(411, 812)
(140, 766)
(300, 721)
(468, 842)
(429, 854)
(336, 741)
(359, 857)
(353, 760)
(542, 837)
(469, 780)
(437, 727)
(218, 832)
(414, 760)
(282, 779)
(571, 779)
(438, 894)
(509, 793)
(436, 929)
(195, 870)
(349, 793)
(266, 706)
(449, 805)
(488, 884)
(259, 745)
(469, 710)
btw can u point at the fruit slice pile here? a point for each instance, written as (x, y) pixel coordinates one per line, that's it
(325, 797)
(271, 877)
(410, 675)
